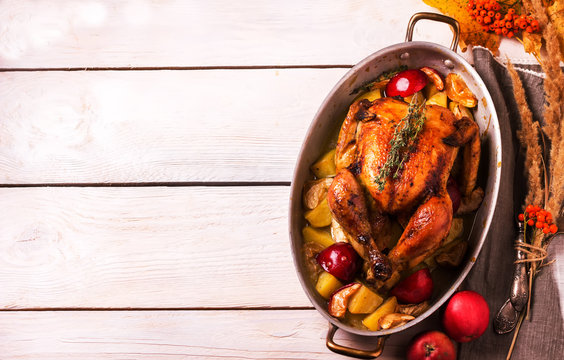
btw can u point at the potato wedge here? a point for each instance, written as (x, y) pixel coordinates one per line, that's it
(320, 216)
(388, 307)
(439, 99)
(327, 284)
(371, 95)
(364, 301)
(321, 237)
(429, 90)
(315, 191)
(325, 166)
(417, 97)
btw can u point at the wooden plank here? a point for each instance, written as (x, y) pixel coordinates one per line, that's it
(156, 126)
(289, 334)
(146, 247)
(109, 33)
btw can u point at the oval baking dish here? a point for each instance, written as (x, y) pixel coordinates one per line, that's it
(329, 117)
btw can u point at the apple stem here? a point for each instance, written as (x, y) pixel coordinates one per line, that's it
(429, 349)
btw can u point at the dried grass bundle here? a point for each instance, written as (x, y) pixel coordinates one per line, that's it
(554, 107)
(529, 134)
(556, 200)
(529, 137)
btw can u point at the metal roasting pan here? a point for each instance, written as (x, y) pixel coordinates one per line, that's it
(327, 121)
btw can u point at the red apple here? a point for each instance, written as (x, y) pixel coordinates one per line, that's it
(431, 345)
(466, 316)
(340, 260)
(454, 193)
(415, 288)
(406, 83)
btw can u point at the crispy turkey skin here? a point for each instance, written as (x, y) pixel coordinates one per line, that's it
(416, 195)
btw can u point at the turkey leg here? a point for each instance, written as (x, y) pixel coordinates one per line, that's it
(424, 233)
(467, 134)
(348, 206)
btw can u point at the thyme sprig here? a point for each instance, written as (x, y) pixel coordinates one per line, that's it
(386, 75)
(402, 142)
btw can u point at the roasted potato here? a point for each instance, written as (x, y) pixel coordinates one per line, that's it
(325, 166)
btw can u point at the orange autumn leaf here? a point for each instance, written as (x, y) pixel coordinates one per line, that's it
(532, 43)
(471, 33)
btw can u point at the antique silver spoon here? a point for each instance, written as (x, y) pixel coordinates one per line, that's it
(506, 318)
(520, 286)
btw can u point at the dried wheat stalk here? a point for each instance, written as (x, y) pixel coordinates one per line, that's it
(529, 138)
(554, 107)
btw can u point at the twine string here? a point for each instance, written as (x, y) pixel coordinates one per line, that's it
(534, 253)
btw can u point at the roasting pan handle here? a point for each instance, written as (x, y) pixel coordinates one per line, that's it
(435, 17)
(348, 351)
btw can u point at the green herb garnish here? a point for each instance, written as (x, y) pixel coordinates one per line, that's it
(383, 76)
(402, 142)
(389, 74)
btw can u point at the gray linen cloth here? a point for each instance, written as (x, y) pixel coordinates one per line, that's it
(543, 336)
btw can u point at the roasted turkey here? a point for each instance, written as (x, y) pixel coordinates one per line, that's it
(416, 196)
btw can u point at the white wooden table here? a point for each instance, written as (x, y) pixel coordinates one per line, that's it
(146, 152)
